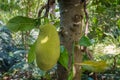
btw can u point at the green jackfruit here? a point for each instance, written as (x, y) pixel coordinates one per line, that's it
(47, 47)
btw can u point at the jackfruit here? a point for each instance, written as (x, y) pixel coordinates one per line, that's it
(47, 47)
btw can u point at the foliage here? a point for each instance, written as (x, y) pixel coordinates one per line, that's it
(95, 66)
(63, 60)
(103, 18)
(104, 31)
(20, 23)
(9, 53)
(9, 9)
(31, 54)
(85, 41)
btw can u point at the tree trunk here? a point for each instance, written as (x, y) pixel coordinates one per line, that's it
(71, 16)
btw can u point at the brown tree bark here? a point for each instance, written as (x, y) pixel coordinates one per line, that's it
(71, 16)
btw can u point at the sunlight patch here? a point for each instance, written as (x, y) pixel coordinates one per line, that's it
(44, 40)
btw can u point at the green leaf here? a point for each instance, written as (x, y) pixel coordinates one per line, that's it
(100, 9)
(95, 20)
(118, 23)
(85, 41)
(70, 76)
(31, 53)
(20, 23)
(46, 20)
(95, 66)
(63, 60)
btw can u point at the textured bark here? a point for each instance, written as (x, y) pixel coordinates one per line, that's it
(71, 15)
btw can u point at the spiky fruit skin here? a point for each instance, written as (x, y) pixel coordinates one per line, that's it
(47, 47)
